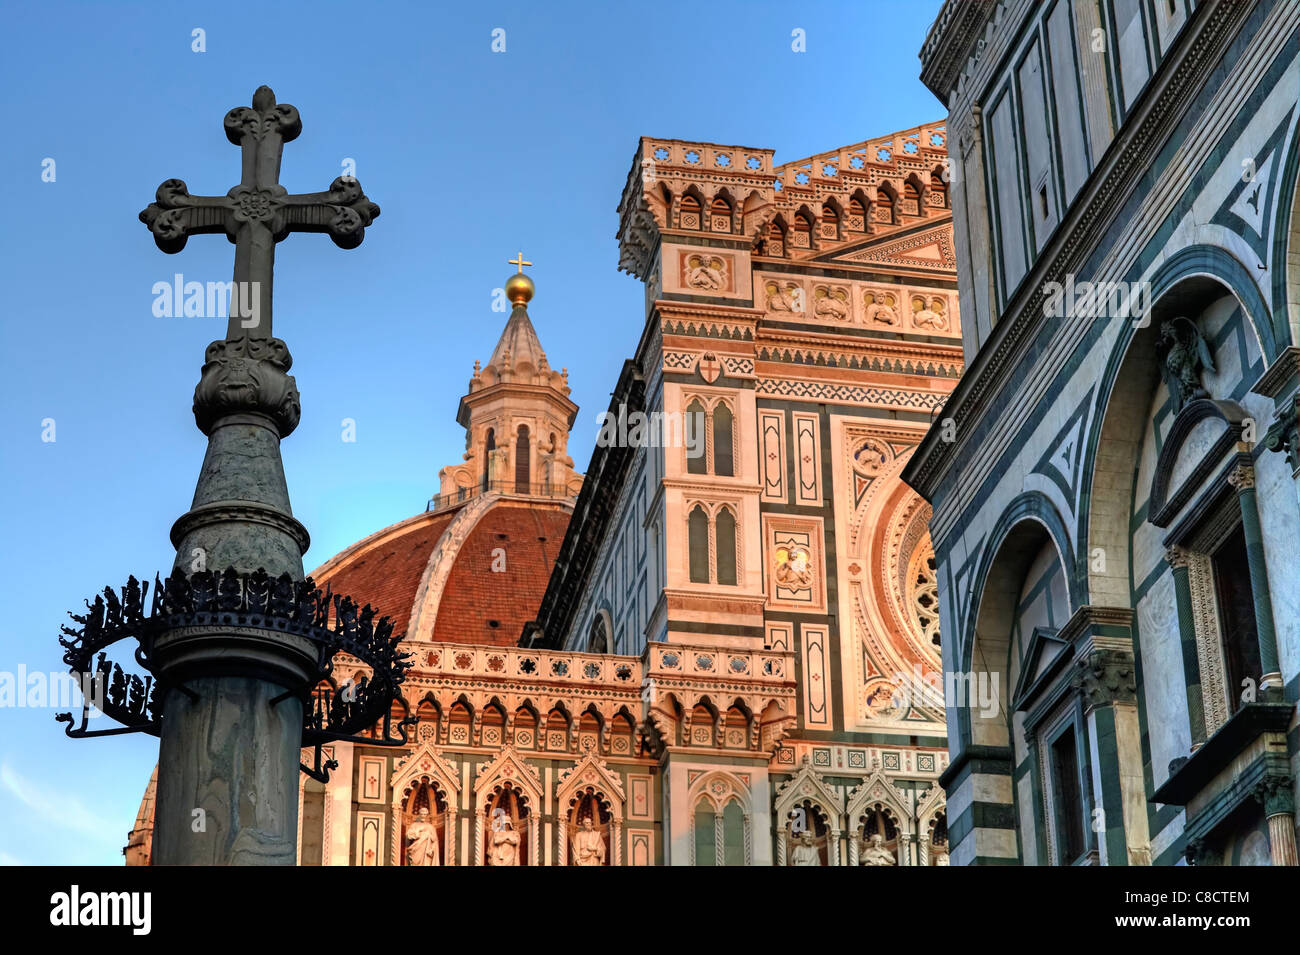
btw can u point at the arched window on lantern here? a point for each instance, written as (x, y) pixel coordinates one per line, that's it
(489, 445)
(523, 463)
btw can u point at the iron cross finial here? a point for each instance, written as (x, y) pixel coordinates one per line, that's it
(259, 212)
(519, 261)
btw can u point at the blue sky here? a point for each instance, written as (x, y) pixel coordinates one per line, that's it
(472, 155)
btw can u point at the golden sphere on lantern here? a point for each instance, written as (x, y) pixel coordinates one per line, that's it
(519, 288)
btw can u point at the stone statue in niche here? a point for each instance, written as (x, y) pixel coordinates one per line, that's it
(421, 840)
(505, 843)
(705, 272)
(588, 845)
(941, 857)
(804, 851)
(876, 853)
(880, 308)
(1184, 356)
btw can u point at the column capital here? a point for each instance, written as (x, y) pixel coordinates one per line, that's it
(1106, 676)
(1275, 793)
(1242, 477)
(1177, 557)
(1283, 434)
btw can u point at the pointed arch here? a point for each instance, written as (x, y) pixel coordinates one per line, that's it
(690, 209)
(877, 795)
(511, 785)
(724, 531)
(831, 220)
(858, 219)
(424, 768)
(723, 443)
(590, 786)
(708, 799)
(802, 802)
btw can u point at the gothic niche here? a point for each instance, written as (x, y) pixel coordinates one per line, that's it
(877, 833)
(807, 835)
(507, 828)
(424, 825)
(937, 839)
(588, 830)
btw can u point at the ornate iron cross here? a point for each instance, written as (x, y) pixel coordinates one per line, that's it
(259, 212)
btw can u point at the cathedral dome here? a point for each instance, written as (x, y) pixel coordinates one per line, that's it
(473, 574)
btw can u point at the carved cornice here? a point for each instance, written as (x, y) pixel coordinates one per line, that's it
(949, 43)
(1078, 235)
(1284, 433)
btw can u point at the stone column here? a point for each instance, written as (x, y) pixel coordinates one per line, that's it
(1277, 795)
(1243, 479)
(1107, 683)
(231, 727)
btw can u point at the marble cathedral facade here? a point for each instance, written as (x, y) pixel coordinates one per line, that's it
(1114, 481)
(721, 645)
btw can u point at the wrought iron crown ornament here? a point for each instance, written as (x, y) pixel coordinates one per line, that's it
(334, 624)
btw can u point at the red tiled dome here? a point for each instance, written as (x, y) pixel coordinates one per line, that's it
(388, 570)
(482, 606)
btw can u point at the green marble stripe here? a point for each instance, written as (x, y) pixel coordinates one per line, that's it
(1191, 664)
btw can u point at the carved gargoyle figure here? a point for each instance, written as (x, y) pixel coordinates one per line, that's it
(1184, 356)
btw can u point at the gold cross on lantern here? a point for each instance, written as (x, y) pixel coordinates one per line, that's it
(519, 261)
